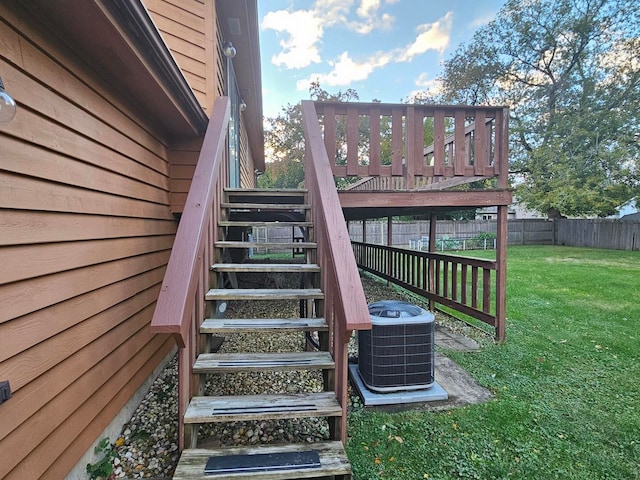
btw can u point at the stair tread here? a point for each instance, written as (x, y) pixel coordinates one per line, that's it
(246, 325)
(333, 461)
(265, 267)
(241, 244)
(266, 191)
(237, 408)
(264, 294)
(262, 223)
(237, 362)
(265, 206)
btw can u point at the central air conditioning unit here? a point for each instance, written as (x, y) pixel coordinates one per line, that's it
(398, 352)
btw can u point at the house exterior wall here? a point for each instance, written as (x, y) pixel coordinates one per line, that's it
(184, 28)
(85, 235)
(193, 32)
(90, 184)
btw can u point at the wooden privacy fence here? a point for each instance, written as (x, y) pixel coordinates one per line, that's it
(464, 284)
(594, 233)
(598, 233)
(420, 143)
(406, 233)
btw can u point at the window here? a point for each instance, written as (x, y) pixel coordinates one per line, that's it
(233, 147)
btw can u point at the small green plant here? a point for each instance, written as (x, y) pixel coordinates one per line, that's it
(103, 468)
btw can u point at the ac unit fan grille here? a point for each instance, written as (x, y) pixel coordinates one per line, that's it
(397, 357)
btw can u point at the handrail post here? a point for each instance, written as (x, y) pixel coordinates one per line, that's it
(346, 308)
(180, 300)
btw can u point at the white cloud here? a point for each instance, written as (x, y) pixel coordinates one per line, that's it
(482, 20)
(346, 71)
(368, 8)
(303, 34)
(432, 36)
(427, 87)
(370, 18)
(423, 81)
(303, 29)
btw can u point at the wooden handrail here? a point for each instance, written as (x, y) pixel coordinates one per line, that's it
(187, 266)
(327, 205)
(469, 141)
(345, 305)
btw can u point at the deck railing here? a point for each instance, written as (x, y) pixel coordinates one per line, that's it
(181, 305)
(345, 306)
(464, 284)
(423, 144)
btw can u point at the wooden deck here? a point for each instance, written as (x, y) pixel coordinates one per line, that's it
(433, 151)
(424, 160)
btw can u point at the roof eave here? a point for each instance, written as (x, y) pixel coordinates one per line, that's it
(122, 44)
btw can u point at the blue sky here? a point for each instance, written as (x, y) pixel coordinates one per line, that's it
(384, 49)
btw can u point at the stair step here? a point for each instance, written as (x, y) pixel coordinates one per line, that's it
(251, 362)
(264, 294)
(261, 192)
(238, 408)
(249, 325)
(275, 223)
(265, 267)
(265, 206)
(240, 244)
(333, 462)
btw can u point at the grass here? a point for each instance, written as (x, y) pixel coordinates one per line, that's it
(566, 384)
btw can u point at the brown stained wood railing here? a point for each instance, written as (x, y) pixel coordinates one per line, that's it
(466, 143)
(181, 306)
(464, 284)
(345, 305)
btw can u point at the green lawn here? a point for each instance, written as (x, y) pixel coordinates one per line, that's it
(566, 384)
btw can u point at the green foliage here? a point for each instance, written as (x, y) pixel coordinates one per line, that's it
(284, 137)
(485, 236)
(103, 468)
(566, 396)
(570, 72)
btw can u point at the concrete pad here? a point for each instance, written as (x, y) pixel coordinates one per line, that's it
(459, 387)
(369, 397)
(445, 338)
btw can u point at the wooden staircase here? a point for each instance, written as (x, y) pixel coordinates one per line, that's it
(242, 209)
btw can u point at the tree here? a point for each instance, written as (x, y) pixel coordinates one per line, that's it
(284, 137)
(570, 72)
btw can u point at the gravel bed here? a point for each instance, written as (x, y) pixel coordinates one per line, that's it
(148, 444)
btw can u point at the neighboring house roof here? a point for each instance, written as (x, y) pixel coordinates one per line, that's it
(632, 217)
(628, 207)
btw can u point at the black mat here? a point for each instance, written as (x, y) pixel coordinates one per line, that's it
(262, 462)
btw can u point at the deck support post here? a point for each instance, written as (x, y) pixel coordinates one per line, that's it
(501, 273)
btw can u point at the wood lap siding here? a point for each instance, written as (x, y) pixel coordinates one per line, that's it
(182, 24)
(85, 235)
(195, 47)
(183, 160)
